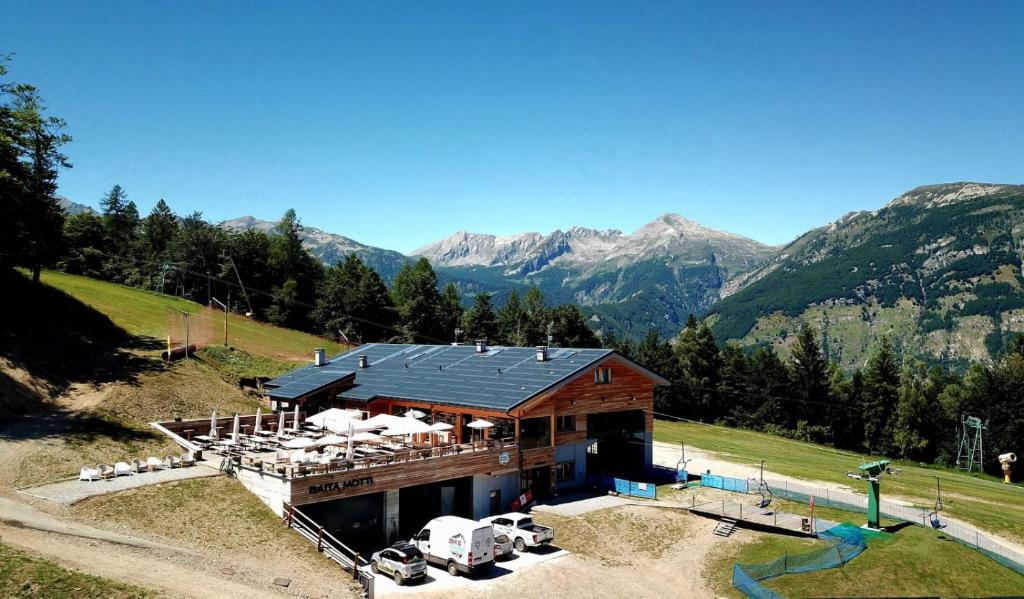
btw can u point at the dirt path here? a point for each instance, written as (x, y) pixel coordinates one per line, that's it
(48, 530)
(172, 573)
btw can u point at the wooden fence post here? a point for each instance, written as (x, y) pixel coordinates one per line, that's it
(320, 540)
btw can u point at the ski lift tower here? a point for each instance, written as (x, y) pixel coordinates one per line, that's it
(871, 473)
(970, 454)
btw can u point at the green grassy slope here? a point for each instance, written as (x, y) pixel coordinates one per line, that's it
(145, 314)
(979, 499)
(913, 561)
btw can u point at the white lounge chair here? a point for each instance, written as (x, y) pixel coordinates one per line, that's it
(122, 469)
(172, 461)
(155, 464)
(187, 459)
(105, 471)
(89, 474)
(140, 466)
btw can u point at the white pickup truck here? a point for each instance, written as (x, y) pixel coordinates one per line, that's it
(521, 528)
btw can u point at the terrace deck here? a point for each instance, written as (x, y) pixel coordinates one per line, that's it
(748, 516)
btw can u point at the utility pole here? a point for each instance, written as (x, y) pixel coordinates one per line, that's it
(223, 305)
(186, 315)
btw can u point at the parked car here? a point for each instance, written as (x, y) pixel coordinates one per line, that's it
(502, 545)
(521, 529)
(457, 544)
(401, 561)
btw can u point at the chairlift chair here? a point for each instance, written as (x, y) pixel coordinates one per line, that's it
(764, 491)
(933, 517)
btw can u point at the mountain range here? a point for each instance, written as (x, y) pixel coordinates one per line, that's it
(937, 270)
(655, 276)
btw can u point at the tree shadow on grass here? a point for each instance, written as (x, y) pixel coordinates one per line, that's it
(51, 341)
(77, 427)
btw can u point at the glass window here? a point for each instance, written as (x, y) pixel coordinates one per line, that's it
(566, 423)
(565, 470)
(603, 376)
(535, 432)
(504, 428)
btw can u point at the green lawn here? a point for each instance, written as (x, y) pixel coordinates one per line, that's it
(145, 314)
(980, 500)
(914, 561)
(22, 575)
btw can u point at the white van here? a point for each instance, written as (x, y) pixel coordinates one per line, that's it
(457, 544)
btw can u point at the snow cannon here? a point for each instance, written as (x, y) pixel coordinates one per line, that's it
(1005, 460)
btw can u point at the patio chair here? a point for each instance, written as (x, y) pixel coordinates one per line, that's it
(172, 461)
(187, 459)
(122, 469)
(105, 471)
(140, 466)
(89, 474)
(154, 464)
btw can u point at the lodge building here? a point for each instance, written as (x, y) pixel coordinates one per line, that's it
(558, 415)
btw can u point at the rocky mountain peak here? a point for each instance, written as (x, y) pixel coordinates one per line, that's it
(944, 194)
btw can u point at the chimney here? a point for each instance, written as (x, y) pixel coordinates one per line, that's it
(319, 356)
(542, 353)
(481, 346)
(362, 362)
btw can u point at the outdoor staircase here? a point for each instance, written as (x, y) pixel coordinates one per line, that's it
(725, 527)
(330, 546)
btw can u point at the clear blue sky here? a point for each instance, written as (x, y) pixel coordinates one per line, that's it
(397, 123)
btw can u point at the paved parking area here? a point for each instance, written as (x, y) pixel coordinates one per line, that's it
(438, 580)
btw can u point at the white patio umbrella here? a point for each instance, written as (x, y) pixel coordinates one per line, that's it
(295, 420)
(280, 424)
(364, 437)
(440, 427)
(213, 425)
(298, 443)
(406, 426)
(381, 421)
(328, 417)
(351, 433)
(331, 439)
(259, 419)
(414, 413)
(235, 428)
(480, 424)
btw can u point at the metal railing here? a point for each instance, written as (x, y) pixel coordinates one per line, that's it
(330, 546)
(398, 456)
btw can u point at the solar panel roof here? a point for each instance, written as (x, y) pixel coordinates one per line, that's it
(442, 374)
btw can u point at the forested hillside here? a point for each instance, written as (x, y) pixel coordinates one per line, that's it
(938, 270)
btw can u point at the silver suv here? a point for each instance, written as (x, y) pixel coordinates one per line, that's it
(401, 561)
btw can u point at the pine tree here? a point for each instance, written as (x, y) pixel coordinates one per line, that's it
(701, 365)
(570, 328)
(451, 310)
(30, 157)
(513, 321)
(881, 396)
(810, 379)
(415, 294)
(538, 317)
(158, 230)
(480, 321)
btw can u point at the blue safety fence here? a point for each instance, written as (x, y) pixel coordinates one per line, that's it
(624, 487)
(726, 483)
(846, 543)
